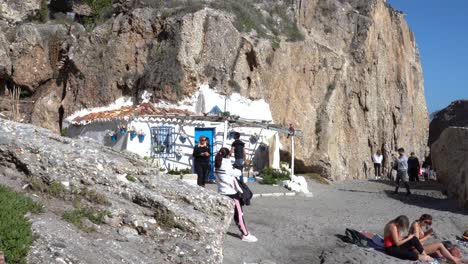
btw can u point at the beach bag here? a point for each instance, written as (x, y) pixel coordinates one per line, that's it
(246, 194)
(355, 237)
(452, 249)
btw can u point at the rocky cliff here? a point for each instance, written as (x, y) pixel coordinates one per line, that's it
(454, 115)
(346, 72)
(102, 206)
(450, 159)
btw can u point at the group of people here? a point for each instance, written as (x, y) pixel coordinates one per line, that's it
(202, 154)
(413, 246)
(227, 175)
(407, 168)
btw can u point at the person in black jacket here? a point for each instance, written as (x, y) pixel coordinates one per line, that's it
(201, 160)
(413, 167)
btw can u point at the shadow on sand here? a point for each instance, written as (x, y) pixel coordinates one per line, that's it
(422, 185)
(426, 201)
(234, 235)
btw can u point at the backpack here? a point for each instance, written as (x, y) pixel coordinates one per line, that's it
(246, 194)
(355, 237)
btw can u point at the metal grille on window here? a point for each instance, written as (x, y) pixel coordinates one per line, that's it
(163, 141)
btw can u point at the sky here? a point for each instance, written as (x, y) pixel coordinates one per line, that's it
(441, 31)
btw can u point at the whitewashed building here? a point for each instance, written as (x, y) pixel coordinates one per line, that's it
(168, 133)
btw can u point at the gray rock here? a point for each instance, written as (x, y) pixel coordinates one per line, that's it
(173, 211)
(450, 160)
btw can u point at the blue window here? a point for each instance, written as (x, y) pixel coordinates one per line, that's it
(163, 141)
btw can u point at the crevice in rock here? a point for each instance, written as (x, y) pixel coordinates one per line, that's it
(251, 57)
(9, 158)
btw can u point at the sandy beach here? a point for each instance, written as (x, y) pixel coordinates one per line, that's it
(304, 230)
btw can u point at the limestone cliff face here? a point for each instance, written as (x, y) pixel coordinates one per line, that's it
(353, 83)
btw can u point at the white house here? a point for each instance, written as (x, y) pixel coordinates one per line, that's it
(168, 134)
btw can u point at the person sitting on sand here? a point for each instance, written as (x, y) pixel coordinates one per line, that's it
(433, 248)
(402, 247)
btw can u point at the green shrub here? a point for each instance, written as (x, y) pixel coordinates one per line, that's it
(273, 176)
(76, 216)
(179, 172)
(37, 184)
(131, 178)
(15, 230)
(57, 189)
(43, 12)
(101, 10)
(94, 197)
(64, 132)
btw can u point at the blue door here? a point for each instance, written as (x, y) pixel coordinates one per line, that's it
(209, 133)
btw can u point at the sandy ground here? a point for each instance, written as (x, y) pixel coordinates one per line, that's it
(303, 230)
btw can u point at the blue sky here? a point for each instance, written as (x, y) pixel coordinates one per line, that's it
(441, 30)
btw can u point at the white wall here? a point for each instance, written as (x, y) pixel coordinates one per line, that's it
(252, 150)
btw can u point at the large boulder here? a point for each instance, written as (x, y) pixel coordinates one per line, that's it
(450, 160)
(454, 115)
(149, 217)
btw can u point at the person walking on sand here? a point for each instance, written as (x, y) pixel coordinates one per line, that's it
(238, 149)
(413, 167)
(227, 185)
(201, 163)
(377, 159)
(401, 165)
(396, 245)
(432, 248)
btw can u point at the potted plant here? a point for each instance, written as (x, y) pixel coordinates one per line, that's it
(141, 136)
(183, 137)
(112, 135)
(122, 129)
(254, 139)
(178, 153)
(159, 149)
(132, 132)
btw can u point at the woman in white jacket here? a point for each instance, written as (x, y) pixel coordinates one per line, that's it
(226, 178)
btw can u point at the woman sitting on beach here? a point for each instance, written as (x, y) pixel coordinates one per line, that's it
(433, 248)
(227, 185)
(396, 245)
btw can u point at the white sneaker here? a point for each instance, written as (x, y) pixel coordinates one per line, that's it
(249, 238)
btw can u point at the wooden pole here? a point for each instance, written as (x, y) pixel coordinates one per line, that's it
(292, 156)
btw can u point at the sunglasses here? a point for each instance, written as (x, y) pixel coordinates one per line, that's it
(202, 139)
(428, 222)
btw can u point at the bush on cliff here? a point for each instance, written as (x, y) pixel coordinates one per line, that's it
(15, 230)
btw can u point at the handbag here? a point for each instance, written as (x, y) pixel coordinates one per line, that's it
(246, 194)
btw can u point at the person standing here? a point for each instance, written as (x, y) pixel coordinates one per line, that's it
(201, 155)
(238, 149)
(377, 158)
(413, 167)
(401, 165)
(226, 178)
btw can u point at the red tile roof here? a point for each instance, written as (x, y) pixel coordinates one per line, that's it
(145, 109)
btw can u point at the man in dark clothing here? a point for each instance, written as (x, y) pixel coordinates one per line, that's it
(413, 167)
(238, 149)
